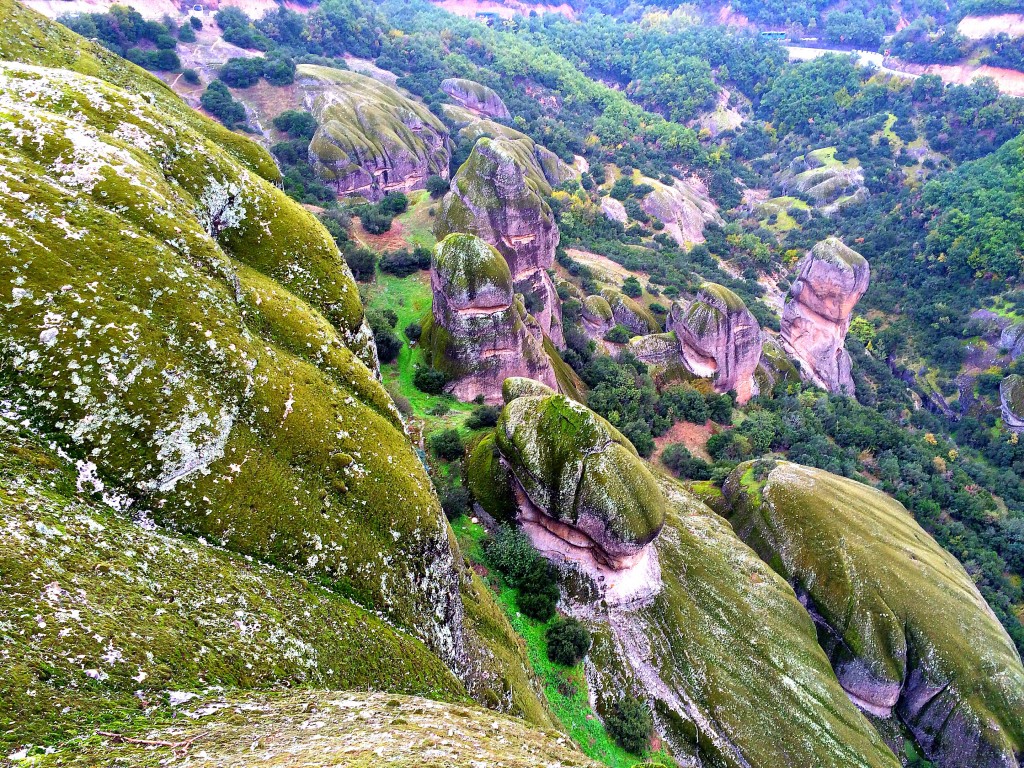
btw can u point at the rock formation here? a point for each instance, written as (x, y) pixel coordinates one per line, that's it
(832, 184)
(830, 280)
(475, 97)
(480, 334)
(1012, 340)
(685, 208)
(631, 314)
(498, 195)
(370, 139)
(656, 349)
(719, 339)
(1011, 401)
(905, 627)
(597, 317)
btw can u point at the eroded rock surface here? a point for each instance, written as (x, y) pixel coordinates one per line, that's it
(719, 339)
(480, 334)
(905, 627)
(370, 139)
(829, 281)
(685, 208)
(831, 183)
(629, 313)
(498, 195)
(1011, 401)
(476, 97)
(597, 317)
(1012, 340)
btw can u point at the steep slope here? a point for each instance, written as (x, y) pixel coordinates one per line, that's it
(907, 630)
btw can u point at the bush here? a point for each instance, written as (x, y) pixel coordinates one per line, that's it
(510, 553)
(538, 590)
(630, 723)
(393, 203)
(620, 334)
(437, 186)
(187, 34)
(447, 444)
(388, 343)
(375, 221)
(632, 288)
(279, 70)
(190, 76)
(483, 417)
(297, 124)
(241, 73)
(568, 642)
(218, 101)
(455, 499)
(430, 381)
(413, 331)
(684, 464)
(405, 263)
(686, 404)
(362, 262)
(195, 22)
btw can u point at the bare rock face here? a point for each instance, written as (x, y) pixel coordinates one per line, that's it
(685, 208)
(1011, 399)
(480, 333)
(719, 339)
(498, 195)
(476, 97)
(1012, 340)
(597, 317)
(657, 349)
(633, 315)
(370, 139)
(830, 280)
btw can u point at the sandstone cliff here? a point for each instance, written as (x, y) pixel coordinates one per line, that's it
(685, 208)
(498, 195)
(370, 139)
(830, 183)
(475, 97)
(1011, 400)
(719, 339)
(597, 317)
(480, 334)
(1012, 340)
(907, 631)
(830, 280)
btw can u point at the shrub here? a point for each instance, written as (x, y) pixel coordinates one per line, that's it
(630, 723)
(393, 203)
(195, 22)
(165, 42)
(437, 186)
(375, 221)
(447, 444)
(297, 124)
(686, 404)
(455, 501)
(388, 343)
(187, 34)
(219, 102)
(568, 642)
(241, 72)
(684, 464)
(483, 417)
(428, 380)
(538, 590)
(620, 334)
(510, 553)
(413, 331)
(362, 262)
(632, 288)
(279, 70)
(190, 76)
(405, 263)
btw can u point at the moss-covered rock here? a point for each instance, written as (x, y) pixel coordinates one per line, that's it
(685, 208)
(597, 317)
(370, 138)
(480, 334)
(499, 195)
(636, 317)
(1011, 400)
(579, 472)
(475, 96)
(906, 629)
(830, 183)
(327, 729)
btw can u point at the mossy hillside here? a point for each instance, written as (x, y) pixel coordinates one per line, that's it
(569, 382)
(713, 293)
(517, 386)
(729, 657)
(101, 614)
(490, 481)
(906, 611)
(597, 308)
(133, 348)
(571, 463)
(30, 38)
(331, 728)
(1012, 392)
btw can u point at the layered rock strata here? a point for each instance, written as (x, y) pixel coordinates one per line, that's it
(719, 339)
(829, 282)
(480, 334)
(498, 195)
(370, 139)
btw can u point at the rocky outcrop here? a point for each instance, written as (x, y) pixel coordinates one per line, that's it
(685, 208)
(597, 317)
(829, 281)
(719, 339)
(370, 139)
(775, 367)
(498, 195)
(1012, 340)
(480, 334)
(1011, 401)
(476, 97)
(830, 183)
(903, 623)
(657, 349)
(631, 314)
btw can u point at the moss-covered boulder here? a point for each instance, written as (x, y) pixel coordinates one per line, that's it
(598, 318)
(625, 311)
(370, 138)
(499, 195)
(475, 97)
(1011, 400)
(829, 282)
(480, 334)
(720, 339)
(906, 629)
(580, 478)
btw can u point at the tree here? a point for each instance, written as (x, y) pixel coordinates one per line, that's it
(279, 70)
(538, 591)
(484, 417)
(632, 288)
(682, 463)
(297, 124)
(393, 203)
(447, 444)
(568, 642)
(375, 221)
(428, 380)
(629, 722)
(241, 72)
(388, 343)
(437, 186)
(413, 331)
(362, 262)
(218, 101)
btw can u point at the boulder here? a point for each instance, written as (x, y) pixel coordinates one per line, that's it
(631, 314)
(906, 629)
(370, 139)
(719, 339)
(657, 349)
(476, 97)
(597, 317)
(498, 195)
(685, 208)
(1012, 340)
(480, 334)
(830, 280)
(1011, 401)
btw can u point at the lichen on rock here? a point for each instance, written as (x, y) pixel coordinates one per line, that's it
(1011, 401)
(476, 97)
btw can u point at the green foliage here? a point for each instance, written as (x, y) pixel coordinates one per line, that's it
(682, 463)
(295, 123)
(279, 69)
(510, 553)
(219, 102)
(447, 444)
(437, 186)
(413, 331)
(632, 288)
(429, 380)
(393, 203)
(568, 642)
(538, 590)
(619, 334)
(190, 76)
(237, 28)
(362, 262)
(241, 72)
(630, 723)
(483, 417)
(405, 262)
(375, 221)
(388, 343)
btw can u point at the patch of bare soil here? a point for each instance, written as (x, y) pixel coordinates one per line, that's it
(693, 436)
(982, 27)
(506, 9)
